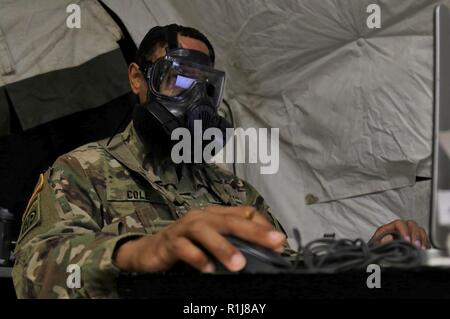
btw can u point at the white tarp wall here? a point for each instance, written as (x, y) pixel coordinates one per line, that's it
(34, 38)
(353, 104)
(48, 70)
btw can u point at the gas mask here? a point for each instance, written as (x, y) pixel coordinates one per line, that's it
(183, 87)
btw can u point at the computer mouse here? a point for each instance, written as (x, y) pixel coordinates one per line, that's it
(259, 259)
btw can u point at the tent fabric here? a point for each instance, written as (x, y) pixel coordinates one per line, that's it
(4, 114)
(48, 70)
(353, 104)
(35, 39)
(52, 95)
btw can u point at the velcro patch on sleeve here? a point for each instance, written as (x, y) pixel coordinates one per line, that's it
(37, 189)
(31, 217)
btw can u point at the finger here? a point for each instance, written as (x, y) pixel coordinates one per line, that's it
(218, 246)
(386, 239)
(241, 211)
(253, 232)
(402, 227)
(397, 225)
(382, 231)
(376, 236)
(414, 232)
(247, 212)
(426, 244)
(247, 230)
(187, 252)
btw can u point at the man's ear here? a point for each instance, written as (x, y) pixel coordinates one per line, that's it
(136, 78)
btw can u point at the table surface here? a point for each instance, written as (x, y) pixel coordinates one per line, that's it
(424, 282)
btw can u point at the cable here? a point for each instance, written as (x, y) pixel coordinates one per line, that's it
(337, 255)
(298, 239)
(234, 140)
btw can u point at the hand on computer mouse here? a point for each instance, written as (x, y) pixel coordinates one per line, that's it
(186, 239)
(259, 259)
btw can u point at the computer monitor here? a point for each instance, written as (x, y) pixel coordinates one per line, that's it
(440, 192)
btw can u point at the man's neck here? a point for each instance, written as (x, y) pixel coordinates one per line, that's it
(152, 156)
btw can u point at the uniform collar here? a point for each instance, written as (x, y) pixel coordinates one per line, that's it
(135, 144)
(150, 159)
(129, 150)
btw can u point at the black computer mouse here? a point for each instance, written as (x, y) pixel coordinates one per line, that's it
(259, 259)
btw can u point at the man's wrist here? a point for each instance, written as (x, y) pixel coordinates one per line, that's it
(124, 255)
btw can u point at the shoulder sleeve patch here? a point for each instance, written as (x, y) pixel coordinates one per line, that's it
(31, 217)
(37, 190)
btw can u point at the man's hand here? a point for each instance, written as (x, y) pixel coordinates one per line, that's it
(409, 230)
(199, 229)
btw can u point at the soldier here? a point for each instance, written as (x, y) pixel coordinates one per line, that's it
(123, 205)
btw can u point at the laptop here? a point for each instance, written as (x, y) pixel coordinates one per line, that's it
(440, 191)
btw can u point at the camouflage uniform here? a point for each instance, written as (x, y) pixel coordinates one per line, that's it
(97, 196)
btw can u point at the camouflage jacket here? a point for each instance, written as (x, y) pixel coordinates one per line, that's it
(99, 195)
